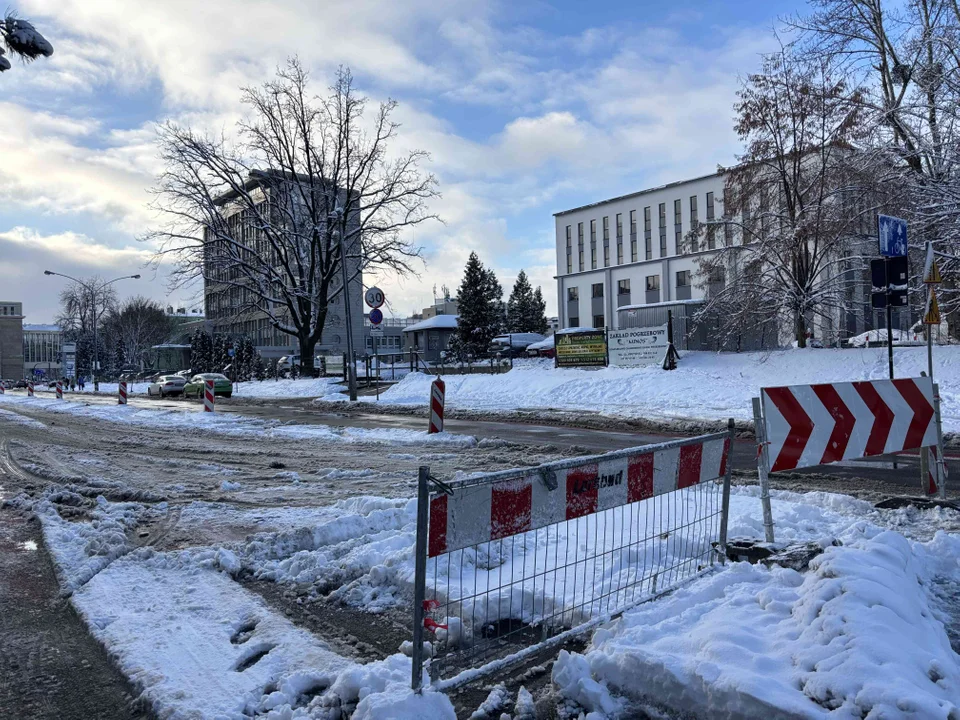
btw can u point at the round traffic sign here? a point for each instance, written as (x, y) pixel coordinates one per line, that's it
(376, 317)
(374, 297)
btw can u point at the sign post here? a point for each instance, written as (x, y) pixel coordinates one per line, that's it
(374, 298)
(892, 238)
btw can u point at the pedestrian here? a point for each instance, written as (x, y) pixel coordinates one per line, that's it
(80, 383)
(73, 384)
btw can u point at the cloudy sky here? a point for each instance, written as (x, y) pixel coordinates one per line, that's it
(527, 107)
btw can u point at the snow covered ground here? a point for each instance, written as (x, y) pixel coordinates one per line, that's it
(707, 386)
(282, 388)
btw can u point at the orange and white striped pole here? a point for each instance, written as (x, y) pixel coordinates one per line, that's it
(122, 389)
(59, 390)
(437, 395)
(30, 389)
(208, 396)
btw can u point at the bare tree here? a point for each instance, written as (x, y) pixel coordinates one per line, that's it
(799, 198)
(82, 309)
(135, 327)
(22, 39)
(267, 220)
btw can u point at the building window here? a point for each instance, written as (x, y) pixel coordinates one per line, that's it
(683, 278)
(593, 244)
(597, 290)
(647, 241)
(569, 249)
(663, 229)
(711, 229)
(574, 321)
(623, 287)
(633, 236)
(619, 239)
(598, 321)
(694, 222)
(606, 241)
(573, 294)
(653, 283)
(580, 243)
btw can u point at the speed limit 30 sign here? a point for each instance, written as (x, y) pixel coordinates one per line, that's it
(374, 297)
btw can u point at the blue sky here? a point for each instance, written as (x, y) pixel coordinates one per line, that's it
(527, 108)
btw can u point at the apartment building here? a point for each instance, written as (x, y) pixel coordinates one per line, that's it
(633, 250)
(11, 340)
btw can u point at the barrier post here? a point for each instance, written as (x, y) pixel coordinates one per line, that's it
(30, 389)
(725, 503)
(2, 389)
(763, 463)
(208, 396)
(59, 390)
(122, 390)
(437, 398)
(941, 465)
(420, 577)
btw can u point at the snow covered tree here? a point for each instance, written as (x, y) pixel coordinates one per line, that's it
(22, 39)
(801, 197)
(526, 310)
(480, 301)
(221, 356)
(269, 217)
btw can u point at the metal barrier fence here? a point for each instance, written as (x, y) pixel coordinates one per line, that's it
(512, 562)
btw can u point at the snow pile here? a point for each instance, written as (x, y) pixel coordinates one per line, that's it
(709, 386)
(287, 388)
(854, 637)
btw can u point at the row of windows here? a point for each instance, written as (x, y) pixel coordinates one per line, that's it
(681, 246)
(652, 283)
(10, 309)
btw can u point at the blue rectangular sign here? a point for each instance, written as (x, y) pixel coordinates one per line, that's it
(892, 233)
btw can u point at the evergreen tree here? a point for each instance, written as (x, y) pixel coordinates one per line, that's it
(481, 310)
(259, 368)
(221, 358)
(201, 352)
(538, 321)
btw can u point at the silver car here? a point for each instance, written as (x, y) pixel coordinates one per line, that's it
(167, 385)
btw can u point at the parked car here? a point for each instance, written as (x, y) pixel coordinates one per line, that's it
(513, 344)
(544, 348)
(221, 385)
(167, 385)
(20, 384)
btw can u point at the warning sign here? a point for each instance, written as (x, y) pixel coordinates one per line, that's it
(931, 315)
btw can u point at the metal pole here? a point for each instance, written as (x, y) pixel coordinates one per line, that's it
(929, 348)
(352, 372)
(725, 506)
(941, 462)
(763, 461)
(420, 576)
(886, 262)
(376, 357)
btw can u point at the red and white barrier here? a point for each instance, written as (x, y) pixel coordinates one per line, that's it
(483, 512)
(807, 425)
(122, 389)
(59, 390)
(437, 397)
(2, 389)
(29, 389)
(208, 396)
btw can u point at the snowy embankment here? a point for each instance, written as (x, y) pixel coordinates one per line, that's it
(861, 634)
(282, 388)
(705, 386)
(192, 417)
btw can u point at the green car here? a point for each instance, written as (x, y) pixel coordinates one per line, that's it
(221, 385)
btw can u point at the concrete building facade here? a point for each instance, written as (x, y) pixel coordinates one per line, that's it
(631, 250)
(11, 340)
(42, 349)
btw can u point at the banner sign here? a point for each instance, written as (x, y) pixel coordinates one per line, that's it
(635, 347)
(581, 349)
(333, 364)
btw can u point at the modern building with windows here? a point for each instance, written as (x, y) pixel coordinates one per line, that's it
(640, 255)
(42, 348)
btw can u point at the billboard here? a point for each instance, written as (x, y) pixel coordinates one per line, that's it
(581, 349)
(635, 347)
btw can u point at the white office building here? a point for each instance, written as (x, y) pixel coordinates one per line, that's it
(633, 250)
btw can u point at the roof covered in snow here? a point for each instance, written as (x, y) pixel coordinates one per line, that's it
(664, 303)
(34, 327)
(437, 322)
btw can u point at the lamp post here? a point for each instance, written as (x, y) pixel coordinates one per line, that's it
(337, 217)
(96, 319)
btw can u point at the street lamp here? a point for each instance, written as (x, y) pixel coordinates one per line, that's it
(337, 217)
(96, 321)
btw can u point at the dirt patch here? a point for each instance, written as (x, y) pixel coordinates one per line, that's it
(50, 667)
